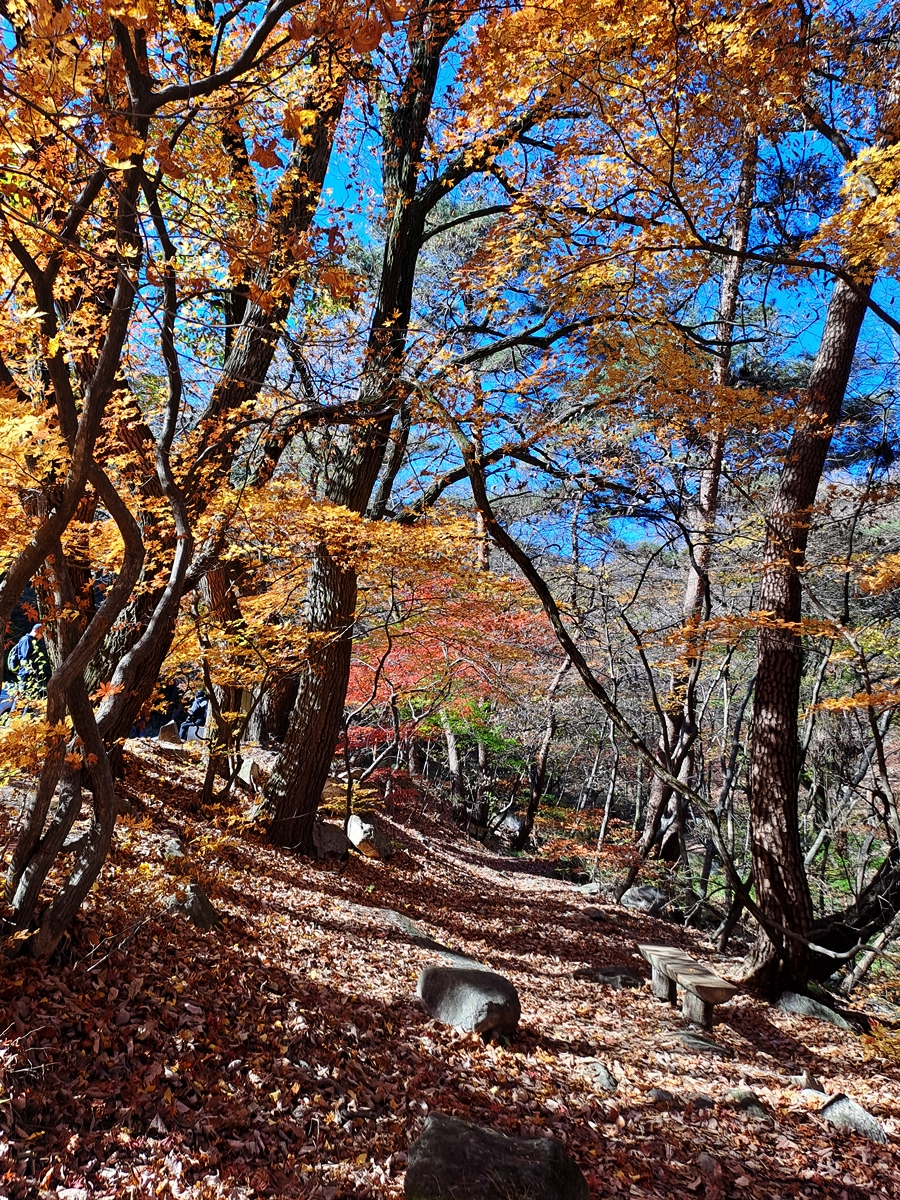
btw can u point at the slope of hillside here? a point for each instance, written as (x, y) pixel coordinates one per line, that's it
(285, 1054)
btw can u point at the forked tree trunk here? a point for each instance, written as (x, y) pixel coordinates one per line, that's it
(295, 787)
(779, 960)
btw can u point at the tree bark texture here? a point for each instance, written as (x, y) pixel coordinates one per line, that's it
(777, 960)
(295, 788)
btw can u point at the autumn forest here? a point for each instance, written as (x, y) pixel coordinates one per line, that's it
(450, 556)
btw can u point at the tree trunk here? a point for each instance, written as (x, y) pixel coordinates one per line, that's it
(295, 787)
(273, 713)
(537, 775)
(453, 761)
(296, 784)
(777, 960)
(680, 706)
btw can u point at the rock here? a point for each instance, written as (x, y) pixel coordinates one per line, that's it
(454, 1160)
(594, 914)
(808, 1082)
(330, 841)
(172, 847)
(645, 899)
(603, 1077)
(169, 735)
(196, 907)
(701, 1100)
(368, 838)
(511, 828)
(749, 1103)
(661, 1096)
(804, 1006)
(697, 1044)
(615, 977)
(125, 806)
(847, 1114)
(590, 889)
(251, 776)
(470, 999)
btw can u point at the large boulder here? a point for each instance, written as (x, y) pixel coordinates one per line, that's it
(168, 734)
(453, 1160)
(330, 841)
(645, 899)
(805, 1006)
(470, 998)
(251, 777)
(847, 1114)
(368, 838)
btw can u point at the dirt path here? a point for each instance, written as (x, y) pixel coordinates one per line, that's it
(288, 1056)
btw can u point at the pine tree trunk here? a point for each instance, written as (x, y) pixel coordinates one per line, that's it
(777, 960)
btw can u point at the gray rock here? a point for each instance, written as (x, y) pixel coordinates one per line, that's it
(701, 1100)
(368, 838)
(330, 841)
(804, 1006)
(615, 977)
(454, 1160)
(172, 848)
(695, 1043)
(603, 1077)
(594, 914)
(196, 907)
(470, 999)
(847, 1114)
(590, 889)
(168, 735)
(661, 1096)
(749, 1103)
(808, 1082)
(251, 776)
(645, 899)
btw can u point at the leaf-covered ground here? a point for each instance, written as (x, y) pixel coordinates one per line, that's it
(286, 1055)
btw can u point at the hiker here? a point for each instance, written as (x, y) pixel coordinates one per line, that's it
(7, 701)
(195, 721)
(28, 660)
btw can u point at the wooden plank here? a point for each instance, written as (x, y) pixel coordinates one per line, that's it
(689, 974)
(700, 1012)
(662, 986)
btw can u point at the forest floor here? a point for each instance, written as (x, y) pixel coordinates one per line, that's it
(286, 1054)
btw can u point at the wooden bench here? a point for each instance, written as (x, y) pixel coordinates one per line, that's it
(703, 990)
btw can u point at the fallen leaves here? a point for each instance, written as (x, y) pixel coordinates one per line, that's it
(287, 1056)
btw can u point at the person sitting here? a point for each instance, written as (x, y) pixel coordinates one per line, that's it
(191, 728)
